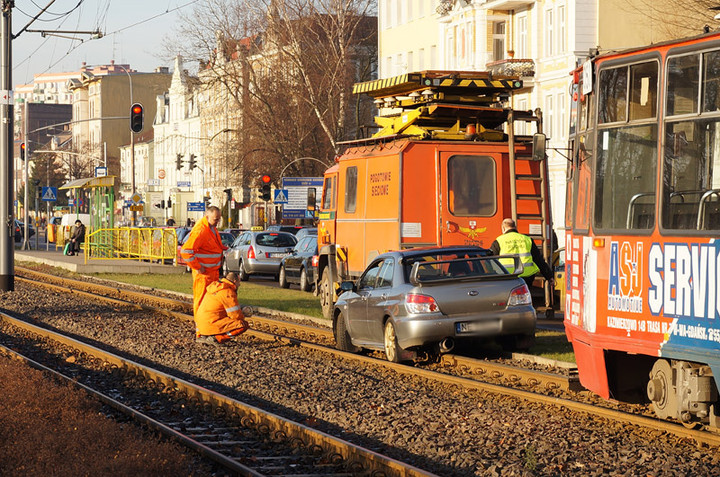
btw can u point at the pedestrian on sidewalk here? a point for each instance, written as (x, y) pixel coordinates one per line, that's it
(219, 317)
(77, 238)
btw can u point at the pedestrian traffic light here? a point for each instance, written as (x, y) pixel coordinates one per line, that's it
(178, 162)
(265, 188)
(192, 163)
(136, 117)
(22, 151)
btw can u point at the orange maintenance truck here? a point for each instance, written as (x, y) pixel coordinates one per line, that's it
(445, 168)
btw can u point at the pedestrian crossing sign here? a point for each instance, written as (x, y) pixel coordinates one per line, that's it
(281, 196)
(49, 194)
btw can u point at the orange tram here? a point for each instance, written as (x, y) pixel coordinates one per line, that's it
(643, 221)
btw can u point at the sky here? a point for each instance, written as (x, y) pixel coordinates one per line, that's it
(134, 32)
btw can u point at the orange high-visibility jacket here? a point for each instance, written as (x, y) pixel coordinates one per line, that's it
(219, 311)
(203, 248)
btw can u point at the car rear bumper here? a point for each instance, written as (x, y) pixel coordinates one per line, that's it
(417, 330)
(262, 266)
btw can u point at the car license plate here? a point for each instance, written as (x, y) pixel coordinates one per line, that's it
(279, 254)
(474, 326)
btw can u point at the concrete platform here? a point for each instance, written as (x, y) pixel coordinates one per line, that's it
(77, 264)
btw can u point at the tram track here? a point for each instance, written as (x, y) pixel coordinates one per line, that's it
(505, 373)
(240, 438)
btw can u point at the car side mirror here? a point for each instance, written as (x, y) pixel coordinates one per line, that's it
(347, 286)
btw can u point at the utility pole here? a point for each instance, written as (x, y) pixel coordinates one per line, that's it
(7, 235)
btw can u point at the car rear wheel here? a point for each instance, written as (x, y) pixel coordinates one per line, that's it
(326, 298)
(304, 284)
(392, 349)
(243, 274)
(282, 279)
(342, 337)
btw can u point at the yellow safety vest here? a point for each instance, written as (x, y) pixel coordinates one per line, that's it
(514, 243)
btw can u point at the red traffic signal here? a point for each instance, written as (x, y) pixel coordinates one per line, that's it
(136, 117)
(265, 179)
(22, 151)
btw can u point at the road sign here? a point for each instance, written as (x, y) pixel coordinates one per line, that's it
(281, 196)
(136, 208)
(136, 198)
(196, 206)
(100, 171)
(183, 183)
(49, 194)
(297, 192)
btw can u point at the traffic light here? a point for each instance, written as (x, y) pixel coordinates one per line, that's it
(22, 151)
(192, 163)
(265, 189)
(136, 117)
(228, 192)
(169, 203)
(178, 162)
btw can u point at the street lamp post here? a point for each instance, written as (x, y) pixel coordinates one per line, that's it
(132, 147)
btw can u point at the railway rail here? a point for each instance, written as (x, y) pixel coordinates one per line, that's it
(240, 438)
(300, 334)
(511, 376)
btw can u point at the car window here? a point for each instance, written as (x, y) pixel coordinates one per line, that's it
(247, 238)
(312, 244)
(275, 240)
(301, 245)
(386, 274)
(367, 281)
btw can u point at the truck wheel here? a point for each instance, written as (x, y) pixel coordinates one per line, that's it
(304, 285)
(282, 279)
(326, 297)
(342, 337)
(392, 348)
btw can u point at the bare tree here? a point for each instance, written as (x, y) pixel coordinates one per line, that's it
(286, 67)
(674, 20)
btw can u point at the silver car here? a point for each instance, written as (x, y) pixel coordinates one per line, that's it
(428, 299)
(258, 252)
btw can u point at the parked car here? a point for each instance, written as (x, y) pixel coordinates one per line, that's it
(305, 231)
(20, 230)
(292, 229)
(301, 265)
(182, 235)
(427, 299)
(235, 232)
(256, 252)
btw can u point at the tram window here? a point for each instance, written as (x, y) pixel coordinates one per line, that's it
(711, 81)
(625, 178)
(691, 175)
(643, 90)
(613, 95)
(682, 89)
(351, 189)
(471, 186)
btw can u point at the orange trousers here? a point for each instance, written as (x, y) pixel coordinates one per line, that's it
(200, 283)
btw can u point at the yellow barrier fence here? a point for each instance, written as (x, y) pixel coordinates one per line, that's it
(144, 243)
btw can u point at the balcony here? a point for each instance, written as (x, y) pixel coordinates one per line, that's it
(523, 67)
(507, 5)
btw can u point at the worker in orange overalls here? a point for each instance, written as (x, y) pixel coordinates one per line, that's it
(203, 253)
(219, 316)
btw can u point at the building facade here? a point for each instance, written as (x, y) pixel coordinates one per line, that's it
(540, 40)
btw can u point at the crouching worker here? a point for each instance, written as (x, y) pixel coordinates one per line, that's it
(219, 316)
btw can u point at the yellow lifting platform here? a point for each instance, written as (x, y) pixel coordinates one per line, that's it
(459, 105)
